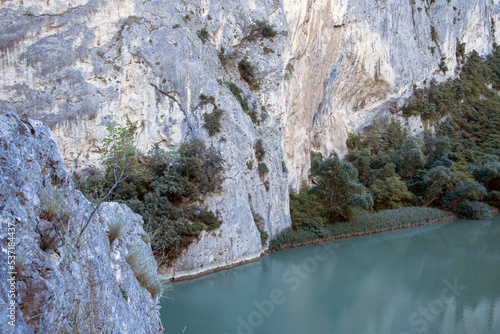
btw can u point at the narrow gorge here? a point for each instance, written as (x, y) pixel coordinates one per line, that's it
(288, 77)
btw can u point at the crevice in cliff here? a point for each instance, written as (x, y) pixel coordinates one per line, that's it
(170, 95)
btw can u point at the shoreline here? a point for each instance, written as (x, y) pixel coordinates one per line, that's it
(361, 234)
(190, 274)
(195, 274)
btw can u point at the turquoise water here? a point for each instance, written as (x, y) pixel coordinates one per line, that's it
(442, 278)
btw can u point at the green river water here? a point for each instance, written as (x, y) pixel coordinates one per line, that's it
(442, 278)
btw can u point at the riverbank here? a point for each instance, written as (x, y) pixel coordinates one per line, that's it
(359, 234)
(169, 274)
(370, 223)
(387, 220)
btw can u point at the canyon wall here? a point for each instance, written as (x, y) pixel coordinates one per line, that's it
(333, 66)
(351, 58)
(79, 66)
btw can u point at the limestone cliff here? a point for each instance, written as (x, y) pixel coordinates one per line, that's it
(54, 281)
(351, 57)
(80, 66)
(332, 66)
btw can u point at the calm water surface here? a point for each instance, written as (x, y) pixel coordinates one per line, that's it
(441, 278)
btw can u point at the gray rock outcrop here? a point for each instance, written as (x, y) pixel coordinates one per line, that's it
(63, 283)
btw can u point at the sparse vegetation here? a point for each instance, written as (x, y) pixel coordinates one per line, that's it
(213, 121)
(203, 35)
(227, 58)
(366, 223)
(289, 71)
(249, 73)
(146, 273)
(54, 208)
(267, 50)
(116, 228)
(260, 151)
(442, 65)
(460, 51)
(261, 226)
(260, 29)
(263, 170)
(283, 167)
(434, 35)
(238, 94)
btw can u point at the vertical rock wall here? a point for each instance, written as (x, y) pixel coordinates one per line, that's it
(79, 66)
(351, 57)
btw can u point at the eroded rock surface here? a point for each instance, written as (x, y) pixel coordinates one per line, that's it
(64, 284)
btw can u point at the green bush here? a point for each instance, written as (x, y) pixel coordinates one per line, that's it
(493, 198)
(305, 207)
(442, 65)
(283, 166)
(249, 73)
(289, 71)
(212, 121)
(267, 50)
(203, 35)
(207, 100)
(434, 35)
(261, 29)
(238, 94)
(261, 226)
(164, 190)
(263, 170)
(260, 151)
(390, 193)
(473, 210)
(338, 188)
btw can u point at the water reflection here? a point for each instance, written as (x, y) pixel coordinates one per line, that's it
(433, 279)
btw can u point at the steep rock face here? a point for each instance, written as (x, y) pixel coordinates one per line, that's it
(351, 57)
(63, 285)
(79, 66)
(334, 66)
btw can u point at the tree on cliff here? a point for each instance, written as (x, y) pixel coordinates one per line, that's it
(120, 157)
(336, 183)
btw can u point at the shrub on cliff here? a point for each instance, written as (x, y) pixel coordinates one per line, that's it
(212, 121)
(164, 190)
(249, 73)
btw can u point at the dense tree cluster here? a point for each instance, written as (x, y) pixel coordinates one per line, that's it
(456, 167)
